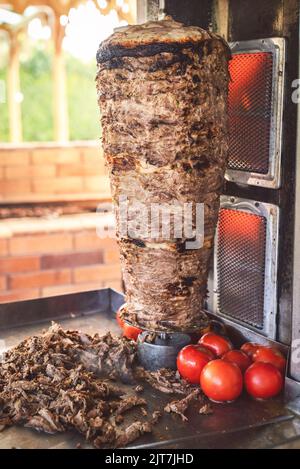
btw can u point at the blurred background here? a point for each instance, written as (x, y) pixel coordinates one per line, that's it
(52, 172)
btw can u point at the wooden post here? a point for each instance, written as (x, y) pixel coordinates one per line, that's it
(13, 90)
(132, 15)
(61, 120)
(222, 17)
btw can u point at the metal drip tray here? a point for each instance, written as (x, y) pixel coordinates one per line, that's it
(245, 423)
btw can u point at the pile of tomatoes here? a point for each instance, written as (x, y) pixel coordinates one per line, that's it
(223, 372)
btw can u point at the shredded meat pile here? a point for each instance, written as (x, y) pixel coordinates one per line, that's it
(165, 380)
(180, 406)
(55, 382)
(64, 380)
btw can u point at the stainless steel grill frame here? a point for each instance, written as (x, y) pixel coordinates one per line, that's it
(272, 179)
(271, 215)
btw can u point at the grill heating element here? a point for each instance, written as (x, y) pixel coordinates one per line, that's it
(245, 264)
(249, 109)
(241, 266)
(255, 103)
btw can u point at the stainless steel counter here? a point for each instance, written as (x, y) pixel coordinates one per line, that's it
(243, 424)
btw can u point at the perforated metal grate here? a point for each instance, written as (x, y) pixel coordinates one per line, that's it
(241, 266)
(250, 108)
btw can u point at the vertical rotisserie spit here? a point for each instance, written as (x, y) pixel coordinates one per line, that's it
(162, 90)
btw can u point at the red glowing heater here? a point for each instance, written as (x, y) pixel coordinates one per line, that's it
(245, 265)
(244, 280)
(255, 104)
(250, 106)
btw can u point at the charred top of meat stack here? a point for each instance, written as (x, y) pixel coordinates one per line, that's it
(155, 37)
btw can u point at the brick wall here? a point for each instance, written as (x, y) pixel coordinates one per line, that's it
(40, 258)
(51, 171)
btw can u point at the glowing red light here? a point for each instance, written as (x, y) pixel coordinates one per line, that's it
(246, 227)
(249, 109)
(241, 265)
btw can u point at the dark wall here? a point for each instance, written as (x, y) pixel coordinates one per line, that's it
(191, 12)
(254, 19)
(248, 19)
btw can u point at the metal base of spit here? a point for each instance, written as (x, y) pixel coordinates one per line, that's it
(158, 349)
(162, 351)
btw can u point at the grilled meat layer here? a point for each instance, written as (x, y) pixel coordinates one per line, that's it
(162, 90)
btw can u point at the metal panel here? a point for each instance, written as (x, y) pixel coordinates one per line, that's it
(255, 107)
(153, 7)
(295, 364)
(245, 264)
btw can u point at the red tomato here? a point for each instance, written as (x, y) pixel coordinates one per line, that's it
(120, 321)
(263, 380)
(131, 332)
(250, 348)
(217, 343)
(191, 360)
(221, 381)
(238, 357)
(215, 327)
(270, 355)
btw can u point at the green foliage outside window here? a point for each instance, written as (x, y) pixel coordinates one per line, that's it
(37, 105)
